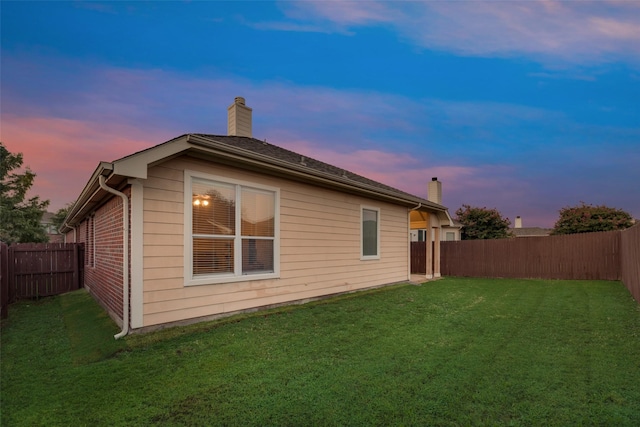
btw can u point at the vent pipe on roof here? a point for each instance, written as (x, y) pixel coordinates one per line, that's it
(434, 191)
(239, 116)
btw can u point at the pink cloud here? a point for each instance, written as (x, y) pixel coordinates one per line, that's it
(389, 138)
(403, 171)
(63, 153)
(492, 186)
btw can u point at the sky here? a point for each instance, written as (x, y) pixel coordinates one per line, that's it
(523, 106)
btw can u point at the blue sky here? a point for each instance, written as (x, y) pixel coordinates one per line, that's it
(522, 106)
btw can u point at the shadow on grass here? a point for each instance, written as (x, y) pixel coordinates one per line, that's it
(89, 328)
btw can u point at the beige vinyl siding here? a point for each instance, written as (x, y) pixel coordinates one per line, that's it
(162, 236)
(319, 246)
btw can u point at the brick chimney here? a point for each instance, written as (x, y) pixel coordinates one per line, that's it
(239, 118)
(518, 223)
(434, 191)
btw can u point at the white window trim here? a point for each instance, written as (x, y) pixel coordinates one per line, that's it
(189, 279)
(369, 257)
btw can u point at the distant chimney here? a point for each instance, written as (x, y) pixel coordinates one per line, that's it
(518, 222)
(239, 118)
(434, 192)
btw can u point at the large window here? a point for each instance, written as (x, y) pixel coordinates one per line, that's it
(370, 243)
(232, 230)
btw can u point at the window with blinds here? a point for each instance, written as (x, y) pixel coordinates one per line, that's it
(258, 230)
(233, 230)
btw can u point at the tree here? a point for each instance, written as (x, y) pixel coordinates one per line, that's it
(482, 223)
(588, 218)
(58, 218)
(19, 218)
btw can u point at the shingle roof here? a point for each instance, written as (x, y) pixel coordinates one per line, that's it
(269, 150)
(531, 231)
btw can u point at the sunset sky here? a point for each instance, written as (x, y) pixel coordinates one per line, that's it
(522, 106)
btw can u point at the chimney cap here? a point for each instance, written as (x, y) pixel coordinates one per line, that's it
(239, 100)
(435, 178)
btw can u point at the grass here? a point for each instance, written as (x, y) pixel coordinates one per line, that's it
(450, 352)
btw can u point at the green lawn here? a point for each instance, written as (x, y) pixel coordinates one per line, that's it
(450, 352)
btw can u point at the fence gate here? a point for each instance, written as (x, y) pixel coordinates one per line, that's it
(418, 257)
(29, 270)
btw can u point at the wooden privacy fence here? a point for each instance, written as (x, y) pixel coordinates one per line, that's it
(4, 280)
(30, 270)
(418, 257)
(611, 255)
(630, 265)
(572, 256)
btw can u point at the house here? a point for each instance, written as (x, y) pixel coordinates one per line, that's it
(52, 232)
(204, 226)
(519, 231)
(447, 232)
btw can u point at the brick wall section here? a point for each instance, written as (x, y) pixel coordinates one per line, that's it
(103, 272)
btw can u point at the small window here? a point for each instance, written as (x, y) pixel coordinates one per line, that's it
(370, 233)
(90, 242)
(93, 241)
(450, 236)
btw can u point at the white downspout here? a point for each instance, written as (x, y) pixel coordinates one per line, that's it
(125, 256)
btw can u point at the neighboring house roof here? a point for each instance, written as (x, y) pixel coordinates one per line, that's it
(244, 152)
(47, 223)
(531, 231)
(455, 224)
(47, 218)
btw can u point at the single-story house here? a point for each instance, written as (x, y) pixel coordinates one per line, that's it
(519, 231)
(52, 231)
(203, 226)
